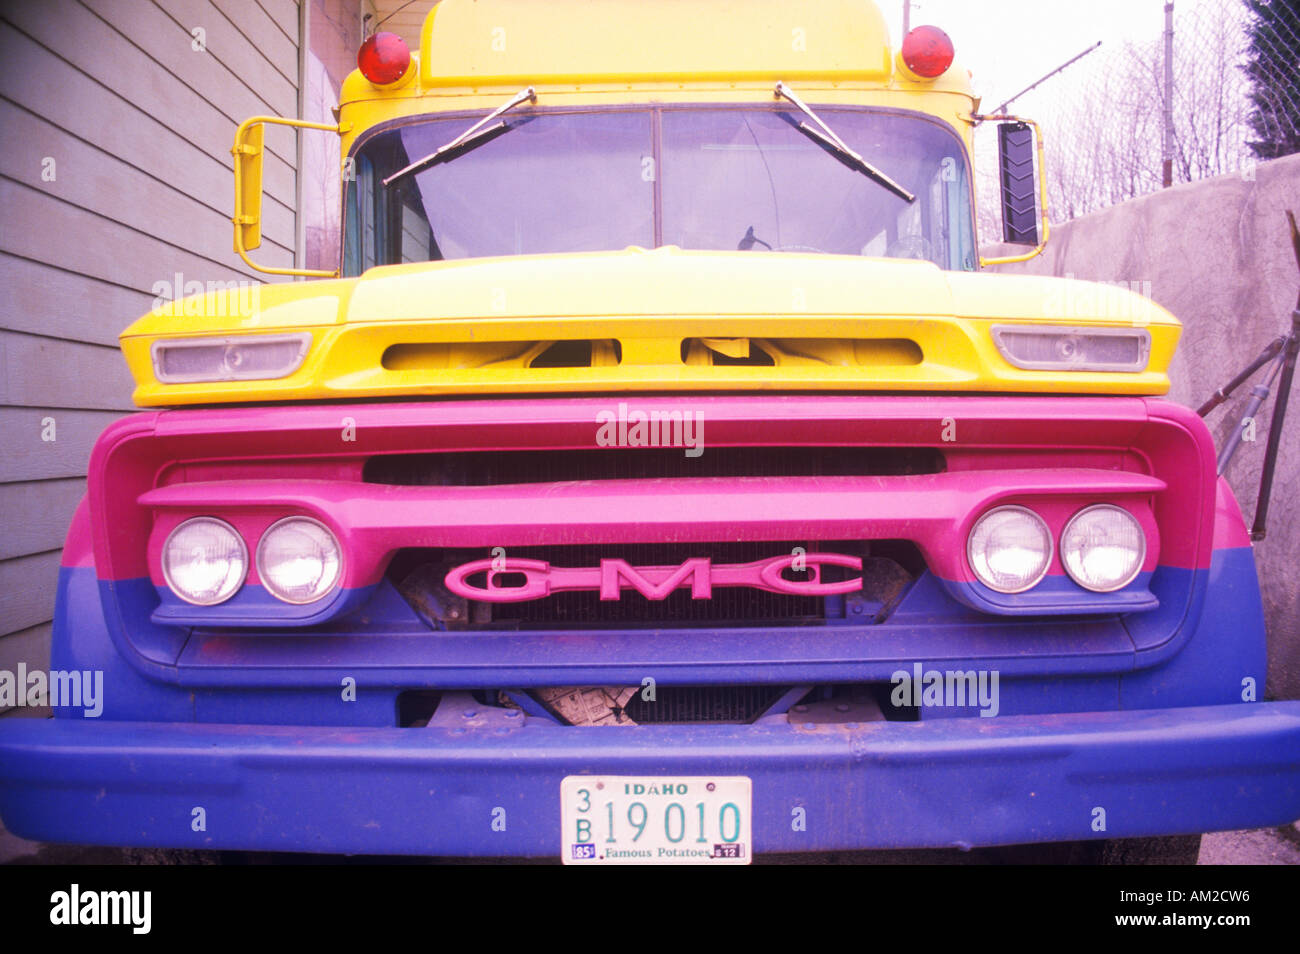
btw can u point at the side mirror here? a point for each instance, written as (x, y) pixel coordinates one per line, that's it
(1023, 190)
(1016, 178)
(248, 148)
(248, 151)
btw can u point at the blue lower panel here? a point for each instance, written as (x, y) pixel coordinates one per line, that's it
(972, 781)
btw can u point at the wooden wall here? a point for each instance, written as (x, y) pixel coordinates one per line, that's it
(115, 176)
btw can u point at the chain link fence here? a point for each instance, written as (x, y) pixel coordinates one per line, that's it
(1127, 119)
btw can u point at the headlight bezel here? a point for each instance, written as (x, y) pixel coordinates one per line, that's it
(1042, 525)
(159, 348)
(167, 569)
(1003, 335)
(334, 586)
(1139, 563)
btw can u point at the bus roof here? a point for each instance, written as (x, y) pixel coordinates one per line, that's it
(513, 42)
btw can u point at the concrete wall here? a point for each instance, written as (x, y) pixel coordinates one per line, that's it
(1217, 254)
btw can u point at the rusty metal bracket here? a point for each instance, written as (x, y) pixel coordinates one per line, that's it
(461, 712)
(1280, 354)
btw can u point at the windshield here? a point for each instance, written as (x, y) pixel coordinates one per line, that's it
(697, 178)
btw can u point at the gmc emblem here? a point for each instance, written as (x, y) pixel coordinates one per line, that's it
(653, 582)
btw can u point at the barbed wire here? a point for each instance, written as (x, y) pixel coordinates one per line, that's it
(1234, 101)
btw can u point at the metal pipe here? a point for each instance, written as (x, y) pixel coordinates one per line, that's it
(1225, 392)
(1043, 79)
(1275, 428)
(1167, 145)
(1258, 395)
(299, 188)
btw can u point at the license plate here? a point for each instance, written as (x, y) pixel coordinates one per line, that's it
(655, 820)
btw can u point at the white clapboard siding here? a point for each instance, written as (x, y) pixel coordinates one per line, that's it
(30, 646)
(115, 177)
(22, 604)
(31, 455)
(44, 299)
(98, 116)
(67, 29)
(48, 506)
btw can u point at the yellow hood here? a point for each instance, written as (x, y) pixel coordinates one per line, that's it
(665, 319)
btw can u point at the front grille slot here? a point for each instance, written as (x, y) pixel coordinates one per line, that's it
(488, 468)
(459, 355)
(671, 705)
(678, 704)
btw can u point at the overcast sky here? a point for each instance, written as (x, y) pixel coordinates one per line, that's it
(1007, 44)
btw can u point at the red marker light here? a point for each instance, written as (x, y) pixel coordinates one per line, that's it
(927, 51)
(383, 58)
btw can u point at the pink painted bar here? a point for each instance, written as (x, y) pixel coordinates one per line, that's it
(373, 521)
(1068, 450)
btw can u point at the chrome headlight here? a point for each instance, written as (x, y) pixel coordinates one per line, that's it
(204, 561)
(247, 358)
(1009, 549)
(299, 560)
(1103, 548)
(1053, 348)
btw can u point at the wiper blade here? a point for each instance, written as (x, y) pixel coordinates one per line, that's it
(475, 135)
(826, 136)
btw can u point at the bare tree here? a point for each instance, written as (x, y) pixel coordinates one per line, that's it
(1102, 120)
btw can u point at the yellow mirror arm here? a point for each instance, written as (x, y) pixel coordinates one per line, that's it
(240, 218)
(1042, 187)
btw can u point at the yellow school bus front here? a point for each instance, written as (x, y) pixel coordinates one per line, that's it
(659, 387)
(650, 206)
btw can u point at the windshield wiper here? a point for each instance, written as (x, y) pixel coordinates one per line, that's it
(476, 135)
(750, 240)
(835, 144)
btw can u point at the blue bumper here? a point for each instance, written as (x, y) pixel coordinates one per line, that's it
(440, 791)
